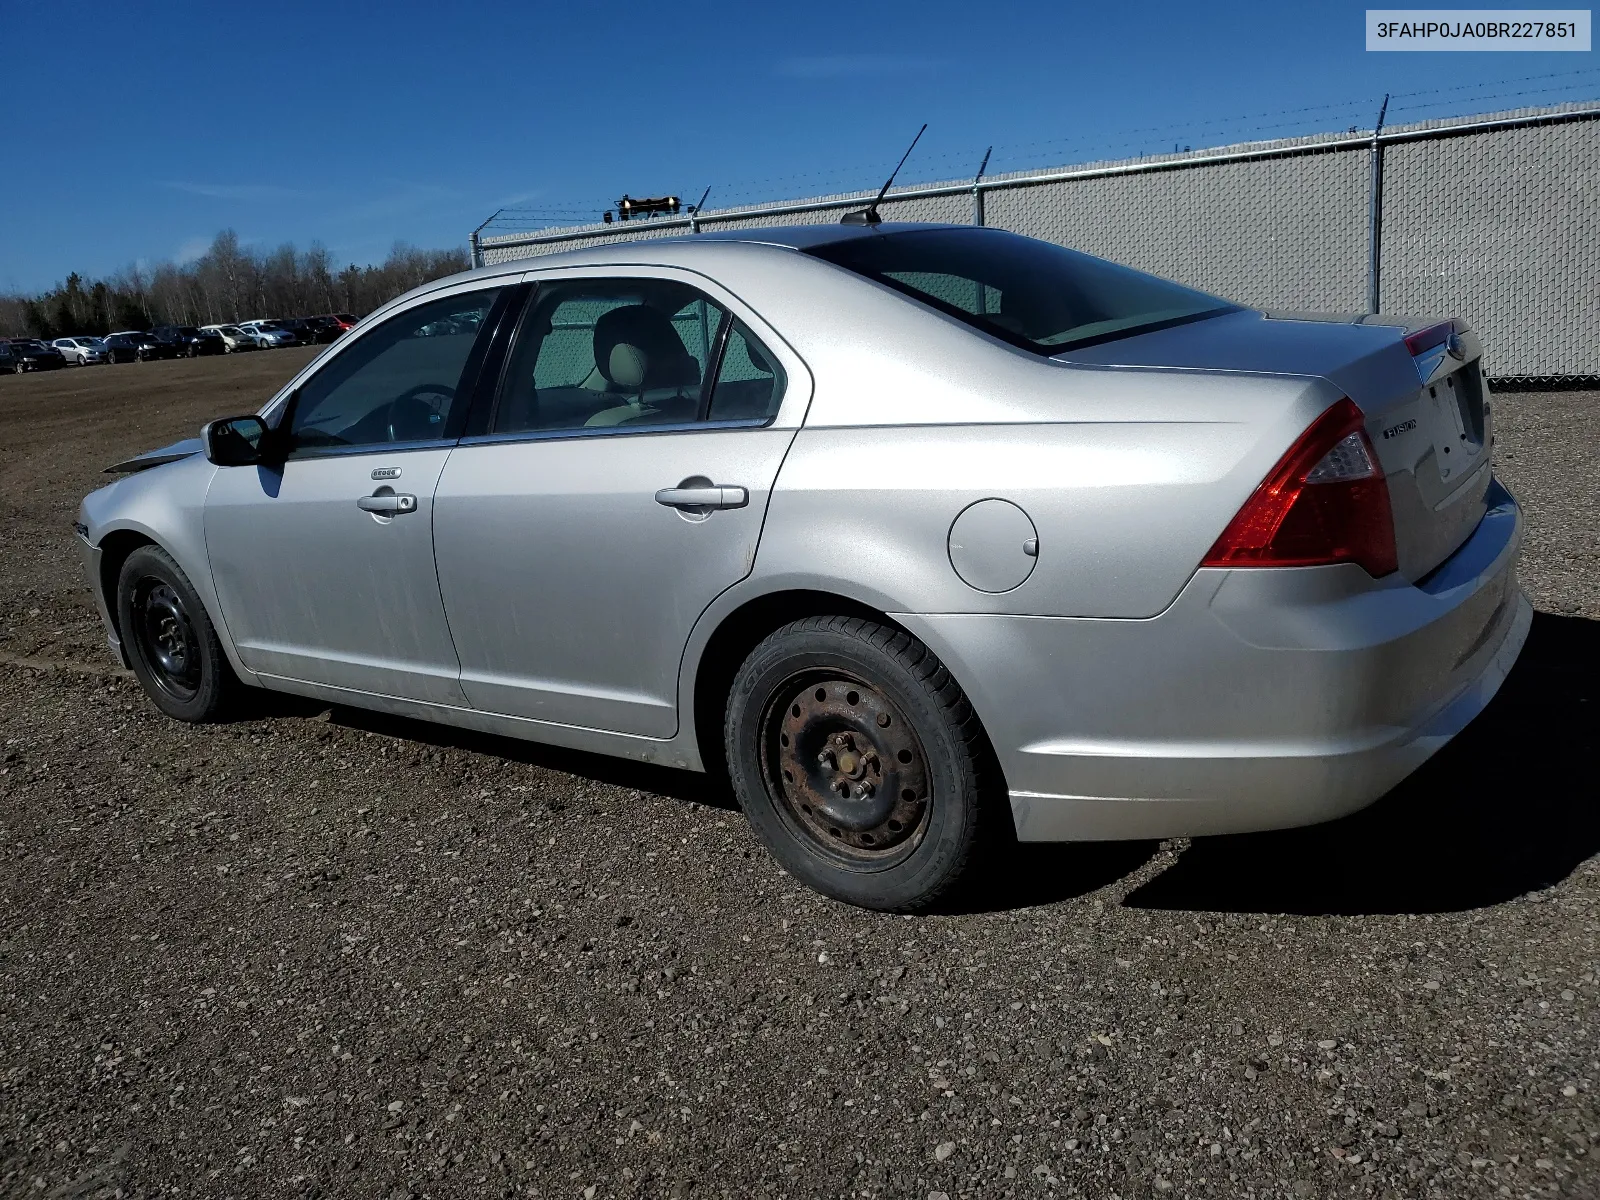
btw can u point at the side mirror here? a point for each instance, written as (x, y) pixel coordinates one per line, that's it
(236, 441)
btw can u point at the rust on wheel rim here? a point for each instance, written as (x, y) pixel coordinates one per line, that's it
(847, 765)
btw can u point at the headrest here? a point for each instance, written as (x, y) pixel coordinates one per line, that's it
(636, 348)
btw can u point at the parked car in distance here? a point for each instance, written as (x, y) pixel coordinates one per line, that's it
(171, 344)
(135, 345)
(8, 361)
(269, 335)
(81, 351)
(303, 332)
(927, 535)
(120, 348)
(233, 338)
(325, 330)
(30, 354)
(189, 341)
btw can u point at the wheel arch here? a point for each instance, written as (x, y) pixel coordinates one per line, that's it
(738, 632)
(115, 547)
(117, 544)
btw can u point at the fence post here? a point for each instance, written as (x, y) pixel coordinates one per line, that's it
(1375, 211)
(977, 188)
(475, 245)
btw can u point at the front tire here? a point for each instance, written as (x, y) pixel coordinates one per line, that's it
(859, 762)
(170, 640)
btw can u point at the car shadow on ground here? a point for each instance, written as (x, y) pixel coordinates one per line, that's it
(690, 786)
(1031, 875)
(1510, 806)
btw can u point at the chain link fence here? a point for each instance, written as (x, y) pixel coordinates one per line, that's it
(1493, 218)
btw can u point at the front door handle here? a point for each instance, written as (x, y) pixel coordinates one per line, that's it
(388, 504)
(703, 499)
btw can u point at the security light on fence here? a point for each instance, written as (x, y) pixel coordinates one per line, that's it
(652, 206)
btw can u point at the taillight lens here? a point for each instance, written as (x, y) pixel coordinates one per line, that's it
(1424, 340)
(1325, 502)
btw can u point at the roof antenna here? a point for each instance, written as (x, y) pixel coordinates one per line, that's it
(694, 212)
(869, 215)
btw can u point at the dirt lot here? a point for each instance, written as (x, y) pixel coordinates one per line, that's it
(322, 953)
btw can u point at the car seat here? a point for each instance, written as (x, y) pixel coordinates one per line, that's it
(641, 356)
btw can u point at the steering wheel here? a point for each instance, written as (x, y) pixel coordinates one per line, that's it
(413, 419)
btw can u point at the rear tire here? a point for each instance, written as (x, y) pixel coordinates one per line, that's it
(859, 762)
(170, 641)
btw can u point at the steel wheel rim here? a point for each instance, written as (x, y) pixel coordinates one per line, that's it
(846, 767)
(167, 640)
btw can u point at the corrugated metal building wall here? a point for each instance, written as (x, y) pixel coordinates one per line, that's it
(1490, 218)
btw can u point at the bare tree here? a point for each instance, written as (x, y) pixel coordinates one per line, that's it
(228, 283)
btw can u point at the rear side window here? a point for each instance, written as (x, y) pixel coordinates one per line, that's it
(602, 353)
(1033, 294)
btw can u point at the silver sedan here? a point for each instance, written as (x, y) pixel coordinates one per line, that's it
(82, 350)
(930, 537)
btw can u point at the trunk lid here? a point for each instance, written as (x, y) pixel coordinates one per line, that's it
(1426, 405)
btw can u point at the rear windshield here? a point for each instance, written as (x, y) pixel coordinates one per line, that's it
(1033, 294)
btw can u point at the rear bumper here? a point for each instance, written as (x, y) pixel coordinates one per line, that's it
(1259, 700)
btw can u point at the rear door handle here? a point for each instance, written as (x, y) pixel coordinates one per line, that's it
(703, 499)
(389, 504)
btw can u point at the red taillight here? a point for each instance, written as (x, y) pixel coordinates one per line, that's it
(1325, 502)
(1426, 339)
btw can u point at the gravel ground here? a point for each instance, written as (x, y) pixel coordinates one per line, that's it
(325, 953)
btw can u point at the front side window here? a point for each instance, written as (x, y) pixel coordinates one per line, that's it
(1033, 294)
(593, 354)
(399, 383)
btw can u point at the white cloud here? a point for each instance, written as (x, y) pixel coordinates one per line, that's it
(191, 250)
(404, 199)
(236, 191)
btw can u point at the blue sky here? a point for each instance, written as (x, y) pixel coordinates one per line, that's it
(138, 132)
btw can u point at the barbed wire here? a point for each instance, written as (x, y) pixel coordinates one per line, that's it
(1496, 82)
(960, 162)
